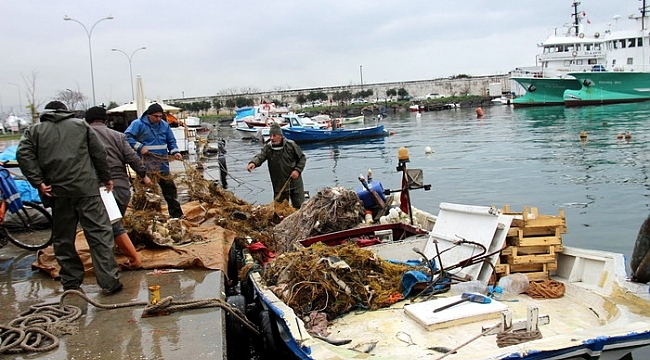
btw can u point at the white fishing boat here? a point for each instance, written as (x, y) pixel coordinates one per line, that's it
(593, 311)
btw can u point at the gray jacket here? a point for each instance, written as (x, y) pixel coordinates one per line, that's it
(119, 153)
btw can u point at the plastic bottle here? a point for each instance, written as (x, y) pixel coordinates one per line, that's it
(513, 284)
(473, 286)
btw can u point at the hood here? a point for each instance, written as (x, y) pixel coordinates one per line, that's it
(56, 115)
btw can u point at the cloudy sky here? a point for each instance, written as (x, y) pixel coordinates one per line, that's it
(202, 47)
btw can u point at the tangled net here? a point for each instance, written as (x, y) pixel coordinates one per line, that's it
(334, 279)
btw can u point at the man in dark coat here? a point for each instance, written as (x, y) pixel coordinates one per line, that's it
(63, 158)
(286, 164)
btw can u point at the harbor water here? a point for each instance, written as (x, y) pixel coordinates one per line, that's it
(516, 156)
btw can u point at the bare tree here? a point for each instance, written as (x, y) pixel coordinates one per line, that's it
(32, 102)
(70, 98)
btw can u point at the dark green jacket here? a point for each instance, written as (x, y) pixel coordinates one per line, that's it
(282, 161)
(63, 152)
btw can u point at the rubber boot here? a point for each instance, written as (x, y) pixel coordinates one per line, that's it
(126, 247)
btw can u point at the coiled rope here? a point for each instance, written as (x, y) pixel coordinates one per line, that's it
(507, 338)
(38, 329)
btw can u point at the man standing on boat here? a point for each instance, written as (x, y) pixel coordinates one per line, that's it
(153, 139)
(286, 163)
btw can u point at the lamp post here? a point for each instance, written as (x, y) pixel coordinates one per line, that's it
(90, 47)
(20, 102)
(130, 58)
(361, 74)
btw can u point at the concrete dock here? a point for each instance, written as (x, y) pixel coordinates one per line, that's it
(120, 333)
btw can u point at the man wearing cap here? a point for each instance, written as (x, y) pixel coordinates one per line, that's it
(153, 140)
(286, 164)
(119, 154)
(64, 159)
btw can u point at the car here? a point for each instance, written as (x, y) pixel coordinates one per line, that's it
(434, 96)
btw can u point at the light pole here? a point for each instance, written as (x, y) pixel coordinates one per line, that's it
(361, 73)
(90, 47)
(130, 57)
(20, 102)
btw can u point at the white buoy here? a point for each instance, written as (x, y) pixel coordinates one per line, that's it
(428, 150)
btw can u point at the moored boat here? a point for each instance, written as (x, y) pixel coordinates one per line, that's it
(574, 51)
(298, 132)
(625, 77)
(591, 311)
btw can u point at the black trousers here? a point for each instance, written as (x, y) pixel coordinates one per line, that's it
(171, 196)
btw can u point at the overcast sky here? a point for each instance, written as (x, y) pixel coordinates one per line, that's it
(199, 48)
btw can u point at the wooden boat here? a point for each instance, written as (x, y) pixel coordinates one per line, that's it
(298, 132)
(601, 314)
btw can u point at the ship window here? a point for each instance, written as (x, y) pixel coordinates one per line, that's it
(598, 46)
(631, 43)
(630, 61)
(612, 45)
(588, 47)
(639, 42)
(622, 43)
(579, 62)
(592, 62)
(613, 62)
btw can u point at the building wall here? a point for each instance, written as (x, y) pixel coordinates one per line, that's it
(476, 85)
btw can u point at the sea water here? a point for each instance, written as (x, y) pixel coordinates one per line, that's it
(516, 156)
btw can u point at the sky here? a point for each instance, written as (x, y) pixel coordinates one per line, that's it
(200, 48)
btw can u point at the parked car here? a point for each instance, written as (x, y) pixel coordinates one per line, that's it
(434, 96)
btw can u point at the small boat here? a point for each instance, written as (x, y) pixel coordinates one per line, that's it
(298, 132)
(593, 311)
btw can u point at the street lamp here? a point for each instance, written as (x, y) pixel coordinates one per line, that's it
(90, 48)
(20, 102)
(130, 58)
(361, 74)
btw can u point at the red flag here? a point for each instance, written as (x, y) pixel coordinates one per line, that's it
(404, 197)
(584, 13)
(588, 22)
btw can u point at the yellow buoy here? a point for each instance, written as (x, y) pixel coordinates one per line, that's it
(583, 135)
(619, 136)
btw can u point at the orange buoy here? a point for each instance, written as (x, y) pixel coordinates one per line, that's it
(479, 112)
(619, 136)
(391, 133)
(628, 136)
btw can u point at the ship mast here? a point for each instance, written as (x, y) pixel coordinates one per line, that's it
(576, 16)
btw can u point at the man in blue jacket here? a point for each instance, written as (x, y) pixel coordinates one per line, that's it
(153, 140)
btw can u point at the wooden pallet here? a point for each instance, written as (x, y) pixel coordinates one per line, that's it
(532, 243)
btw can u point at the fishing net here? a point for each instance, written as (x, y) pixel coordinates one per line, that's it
(334, 279)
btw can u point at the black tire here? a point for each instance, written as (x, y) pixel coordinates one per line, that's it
(238, 341)
(30, 228)
(268, 334)
(233, 265)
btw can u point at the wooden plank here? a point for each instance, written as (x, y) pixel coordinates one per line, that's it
(502, 269)
(535, 250)
(537, 275)
(531, 259)
(516, 268)
(539, 241)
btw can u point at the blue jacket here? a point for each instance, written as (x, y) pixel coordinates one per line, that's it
(158, 138)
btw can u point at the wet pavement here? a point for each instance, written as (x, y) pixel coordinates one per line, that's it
(120, 333)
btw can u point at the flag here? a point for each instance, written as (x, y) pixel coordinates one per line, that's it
(584, 13)
(588, 22)
(404, 197)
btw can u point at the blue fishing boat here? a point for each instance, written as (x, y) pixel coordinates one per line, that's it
(302, 134)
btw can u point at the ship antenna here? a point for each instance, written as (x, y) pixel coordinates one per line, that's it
(576, 16)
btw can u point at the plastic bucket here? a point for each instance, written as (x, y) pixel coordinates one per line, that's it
(110, 204)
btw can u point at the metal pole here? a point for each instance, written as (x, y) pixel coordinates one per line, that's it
(90, 47)
(130, 58)
(361, 73)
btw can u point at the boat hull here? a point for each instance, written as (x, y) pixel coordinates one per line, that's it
(599, 88)
(302, 135)
(543, 91)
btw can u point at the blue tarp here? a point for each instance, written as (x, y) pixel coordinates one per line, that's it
(27, 192)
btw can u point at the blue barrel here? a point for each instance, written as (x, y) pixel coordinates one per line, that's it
(367, 198)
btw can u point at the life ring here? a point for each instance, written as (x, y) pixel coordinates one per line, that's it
(266, 107)
(574, 53)
(597, 35)
(581, 35)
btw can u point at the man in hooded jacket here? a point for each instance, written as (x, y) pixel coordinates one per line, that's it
(62, 157)
(153, 140)
(286, 164)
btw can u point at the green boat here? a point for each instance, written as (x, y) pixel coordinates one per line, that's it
(573, 50)
(543, 91)
(625, 76)
(599, 88)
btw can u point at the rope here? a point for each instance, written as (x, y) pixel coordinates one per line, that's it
(37, 329)
(506, 338)
(545, 289)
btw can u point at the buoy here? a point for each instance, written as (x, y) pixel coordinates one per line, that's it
(628, 136)
(583, 135)
(619, 136)
(391, 133)
(479, 112)
(428, 150)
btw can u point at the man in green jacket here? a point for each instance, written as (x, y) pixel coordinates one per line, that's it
(64, 159)
(286, 164)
